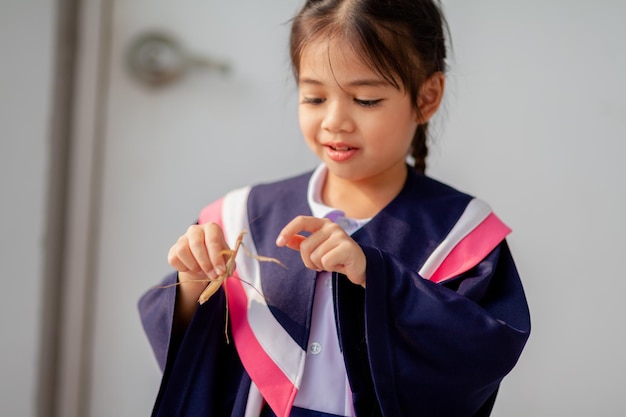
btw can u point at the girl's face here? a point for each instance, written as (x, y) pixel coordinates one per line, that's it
(358, 124)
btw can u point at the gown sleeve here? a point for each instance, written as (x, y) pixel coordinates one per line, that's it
(433, 349)
(201, 370)
(156, 309)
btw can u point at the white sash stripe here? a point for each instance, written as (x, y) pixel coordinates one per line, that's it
(474, 214)
(255, 402)
(276, 342)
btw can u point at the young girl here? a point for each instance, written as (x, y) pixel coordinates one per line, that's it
(397, 296)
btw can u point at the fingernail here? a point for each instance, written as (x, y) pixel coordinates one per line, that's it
(211, 274)
(220, 270)
(280, 241)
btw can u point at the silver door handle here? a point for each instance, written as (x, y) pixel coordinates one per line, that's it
(157, 59)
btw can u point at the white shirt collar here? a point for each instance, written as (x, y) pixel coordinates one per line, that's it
(319, 209)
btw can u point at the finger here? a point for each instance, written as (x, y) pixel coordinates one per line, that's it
(196, 238)
(315, 258)
(332, 257)
(327, 231)
(180, 256)
(325, 254)
(295, 242)
(175, 262)
(347, 259)
(321, 242)
(297, 225)
(216, 246)
(313, 248)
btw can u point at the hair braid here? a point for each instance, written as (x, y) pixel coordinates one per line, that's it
(419, 148)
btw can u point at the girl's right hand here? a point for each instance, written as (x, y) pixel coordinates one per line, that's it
(198, 255)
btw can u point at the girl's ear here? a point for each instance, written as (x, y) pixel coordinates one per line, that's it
(431, 94)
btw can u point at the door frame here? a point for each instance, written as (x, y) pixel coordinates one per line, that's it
(82, 51)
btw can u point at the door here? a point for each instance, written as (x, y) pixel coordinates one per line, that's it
(163, 153)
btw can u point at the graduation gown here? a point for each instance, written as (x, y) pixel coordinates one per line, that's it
(443, 318)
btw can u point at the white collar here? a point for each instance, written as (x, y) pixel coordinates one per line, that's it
(319, 209)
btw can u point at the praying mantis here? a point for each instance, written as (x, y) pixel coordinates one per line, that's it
(214, 285)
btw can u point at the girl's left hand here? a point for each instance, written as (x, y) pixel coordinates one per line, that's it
(328, 248)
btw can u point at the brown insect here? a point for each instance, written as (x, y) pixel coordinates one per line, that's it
(215, 284)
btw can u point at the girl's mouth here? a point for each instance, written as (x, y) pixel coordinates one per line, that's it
(340, 152)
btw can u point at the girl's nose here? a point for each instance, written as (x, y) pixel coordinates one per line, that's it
(337, 118)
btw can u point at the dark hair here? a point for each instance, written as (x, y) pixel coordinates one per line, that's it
(401, 40)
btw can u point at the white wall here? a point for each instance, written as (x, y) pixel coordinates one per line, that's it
(536, 125)
(26, 29)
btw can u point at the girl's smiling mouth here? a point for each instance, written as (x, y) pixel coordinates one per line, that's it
(340, 148)
(339, 152)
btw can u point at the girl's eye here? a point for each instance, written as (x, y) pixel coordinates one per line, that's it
(312, 100)
(367, 103)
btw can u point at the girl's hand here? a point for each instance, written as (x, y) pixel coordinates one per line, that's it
(198, 255)
(328, 247)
